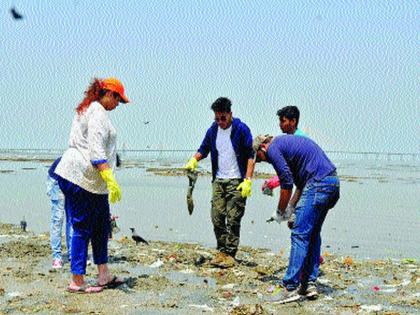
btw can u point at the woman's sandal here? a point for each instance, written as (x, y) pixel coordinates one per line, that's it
(84, 289)
(113, 283)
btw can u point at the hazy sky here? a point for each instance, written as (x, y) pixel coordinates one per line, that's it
(350, 66)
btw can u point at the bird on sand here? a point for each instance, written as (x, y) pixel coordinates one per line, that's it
(15, 14)
(23, 224)
(137, 238)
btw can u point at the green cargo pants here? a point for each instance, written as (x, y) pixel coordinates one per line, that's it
(228, 208)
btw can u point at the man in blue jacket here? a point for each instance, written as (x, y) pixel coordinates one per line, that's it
(229, 141)
(300, 161)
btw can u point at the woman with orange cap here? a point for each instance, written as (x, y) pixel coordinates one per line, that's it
(85, 176)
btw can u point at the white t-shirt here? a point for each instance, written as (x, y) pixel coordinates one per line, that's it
(227, 163)
(92, 138)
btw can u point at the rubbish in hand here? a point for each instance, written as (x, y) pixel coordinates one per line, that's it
(192, 177)
(278, 217)
(267, 191)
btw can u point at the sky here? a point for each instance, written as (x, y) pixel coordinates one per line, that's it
(350, 66)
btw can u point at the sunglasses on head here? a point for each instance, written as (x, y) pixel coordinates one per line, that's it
(221, 118)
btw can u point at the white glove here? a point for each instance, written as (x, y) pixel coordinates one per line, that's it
(291, 221)
(276, 216)
(289, 210)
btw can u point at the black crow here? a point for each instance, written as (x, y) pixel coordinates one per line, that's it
(15, 14)
(137, 238)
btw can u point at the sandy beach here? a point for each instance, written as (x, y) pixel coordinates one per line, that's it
(176, 278)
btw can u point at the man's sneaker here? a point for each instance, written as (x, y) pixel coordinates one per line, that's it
(227, 262)
(57, 264)
(309, 291)
(283, 296)
(217, 259)
(223, 260)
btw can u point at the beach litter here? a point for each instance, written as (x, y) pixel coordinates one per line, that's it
(236, 302)
(157, 264)
(204, 307)
(14, 294)
(408, 261)
(228, 286)
(375, 288)
(200, 260)
(271, 288)
(348, 261)
(181, 284)
(371, 308)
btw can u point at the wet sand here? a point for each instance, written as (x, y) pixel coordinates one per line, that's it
(176, 278)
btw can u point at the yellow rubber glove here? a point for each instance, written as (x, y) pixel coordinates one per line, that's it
(192, 164)
(245, 188)
(111, 183)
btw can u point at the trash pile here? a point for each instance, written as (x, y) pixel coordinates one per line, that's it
(177, 278)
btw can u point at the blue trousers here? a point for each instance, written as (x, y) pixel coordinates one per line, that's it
(90, 220)
(57, 218)
(317, 198)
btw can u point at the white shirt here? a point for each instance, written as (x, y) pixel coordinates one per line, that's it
(227, 163)
(92, 138)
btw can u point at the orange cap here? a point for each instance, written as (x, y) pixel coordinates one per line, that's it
(115, 85)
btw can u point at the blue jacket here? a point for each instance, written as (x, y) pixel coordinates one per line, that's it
(241, 142)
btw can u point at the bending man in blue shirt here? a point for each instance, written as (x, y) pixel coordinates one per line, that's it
(229, 141)
(300, 161)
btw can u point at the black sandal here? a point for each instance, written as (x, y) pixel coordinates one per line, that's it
(114, 283)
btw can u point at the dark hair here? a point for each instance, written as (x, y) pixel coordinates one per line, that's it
(290, 112)
(222, 104)
(93, 93)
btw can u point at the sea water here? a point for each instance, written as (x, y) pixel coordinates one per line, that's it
(377, 215)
